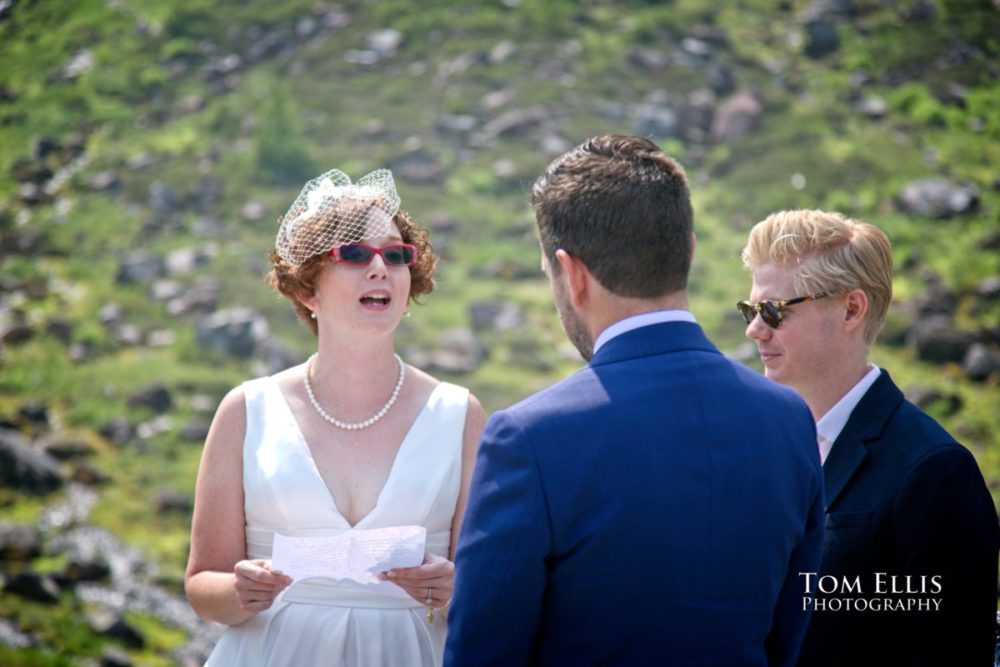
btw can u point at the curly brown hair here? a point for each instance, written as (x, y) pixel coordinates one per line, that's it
(294, 282)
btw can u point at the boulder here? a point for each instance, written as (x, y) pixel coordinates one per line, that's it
(938, 198)
(33, 586)
(19, 541)
(236, 331)
(980, 362)
(736, 117)
(24, 467)
(936, 340)
(156, 397)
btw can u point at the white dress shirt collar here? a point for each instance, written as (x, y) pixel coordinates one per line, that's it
(642, 320)
(830, 425)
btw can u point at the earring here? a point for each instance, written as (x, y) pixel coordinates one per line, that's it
(407, 313)
(312, 314)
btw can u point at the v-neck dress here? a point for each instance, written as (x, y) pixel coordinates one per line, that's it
(321, 622)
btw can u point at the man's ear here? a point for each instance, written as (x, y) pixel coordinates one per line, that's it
(576, 275)
(855, 309)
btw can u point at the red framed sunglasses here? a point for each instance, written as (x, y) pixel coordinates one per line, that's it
(397, 254)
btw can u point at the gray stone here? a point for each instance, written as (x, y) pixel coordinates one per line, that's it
(169, 501)
(235, 331)
(19, 541)
(980, 362)
(821, 38)
(938, 198)
(385, 42)
(496, 315)
(24, 467)
(929, 399)
(139, 266)
(119, 430)
(155, 397)
(736, 117)
(653, 120)
(936, 340)
(33, 586)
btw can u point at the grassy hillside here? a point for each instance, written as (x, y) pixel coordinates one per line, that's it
(147, 148)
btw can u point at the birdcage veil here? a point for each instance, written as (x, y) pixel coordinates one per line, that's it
(332, 211)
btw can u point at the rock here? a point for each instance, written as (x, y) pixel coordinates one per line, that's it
(163, 199)
(202, 297)
(19, 542)
(24, 467)
(385, 42)
(647, 59)
(459, 352)
(516, 122)
(112, 656)
(253, 211)
(736, 117)
(980, 362)
(165, 290)
(195, 431)
(821, 38)
(16, 334)
(81, 63)
(36, 414)
(10, 634)
(455, 123)
(61, 329)
(653, 120)
(161, 338)
(111, 624)
(93, 567)
(420, 167)
(927, 399)
(139, 266)
(935, 340)
(33, 586)
(119, 431)
(502, 51)
(186, 260)
(154, 427)
(938, 198)
(235, 331)
(156, 397)
(872, 106)
(104, 181)
(84, 473)
(168, 501)
(988, 289)
(66, 449)
(496, 315)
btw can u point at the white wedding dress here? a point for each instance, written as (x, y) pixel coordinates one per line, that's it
(321, 622)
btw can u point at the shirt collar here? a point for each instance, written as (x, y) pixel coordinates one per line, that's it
(642, 320)
(830, 425)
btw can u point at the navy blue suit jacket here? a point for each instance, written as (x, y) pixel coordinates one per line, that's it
(903, 498)
(654, 508)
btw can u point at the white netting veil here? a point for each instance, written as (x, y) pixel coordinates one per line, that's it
(331, 211)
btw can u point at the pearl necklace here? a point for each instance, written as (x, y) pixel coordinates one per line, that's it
(356, 425)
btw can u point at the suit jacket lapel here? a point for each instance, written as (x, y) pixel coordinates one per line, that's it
(865, 425)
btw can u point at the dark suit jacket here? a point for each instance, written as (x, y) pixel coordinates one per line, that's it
(903, 498)
(654, 508)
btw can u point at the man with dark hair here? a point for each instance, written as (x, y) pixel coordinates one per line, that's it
(656, 507)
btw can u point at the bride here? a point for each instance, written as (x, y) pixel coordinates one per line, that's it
(354, 438)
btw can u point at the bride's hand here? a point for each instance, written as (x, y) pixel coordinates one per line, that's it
(257, 584)
(429, 583)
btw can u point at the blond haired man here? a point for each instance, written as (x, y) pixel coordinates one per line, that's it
(909, 568)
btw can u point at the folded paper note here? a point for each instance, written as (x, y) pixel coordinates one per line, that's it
(354, 557)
